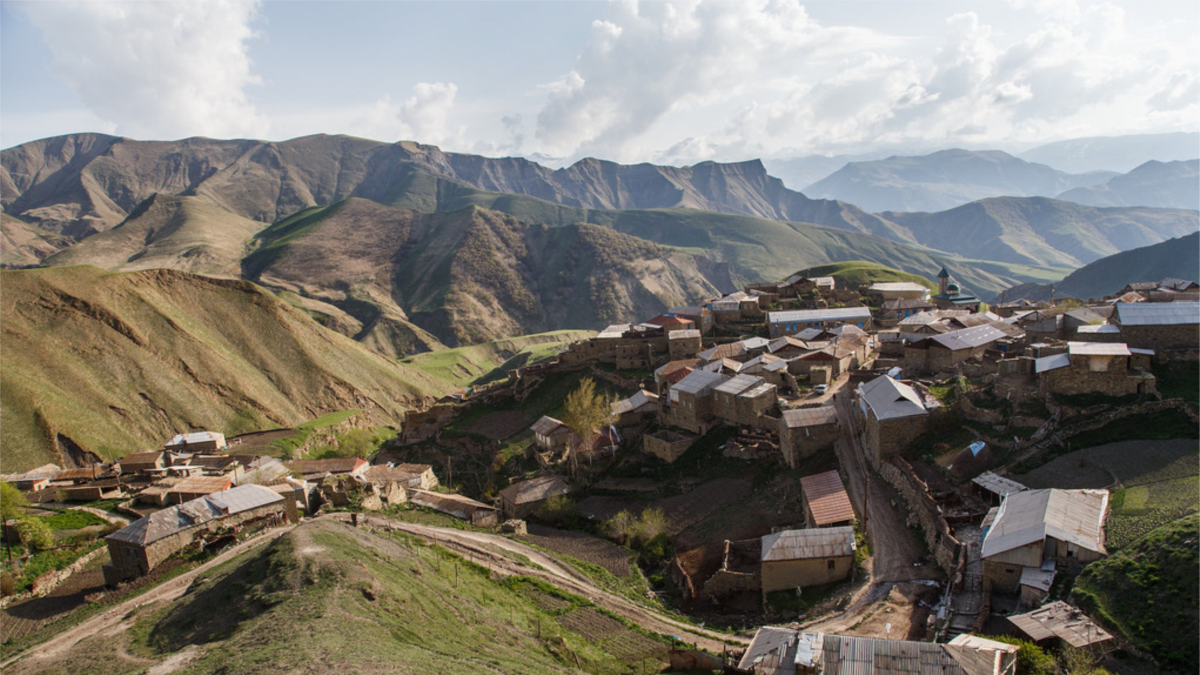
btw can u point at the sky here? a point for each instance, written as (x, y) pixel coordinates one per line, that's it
(670, 82)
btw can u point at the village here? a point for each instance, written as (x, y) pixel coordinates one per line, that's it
(840, 474)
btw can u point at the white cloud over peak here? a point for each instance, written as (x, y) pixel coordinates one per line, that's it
(157, 69)
(425, 115)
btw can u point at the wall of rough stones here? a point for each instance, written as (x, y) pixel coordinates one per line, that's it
(924, 510)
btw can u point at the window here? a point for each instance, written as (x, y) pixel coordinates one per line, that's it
(128, 552)
(829, 564)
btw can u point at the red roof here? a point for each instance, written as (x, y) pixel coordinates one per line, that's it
(664, 320)
(827, 498)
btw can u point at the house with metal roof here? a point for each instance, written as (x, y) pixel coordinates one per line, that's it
(893, 414)
(937, 352)
(1109, 368)
(826, 503)
(725, 396)
(525, 497)
(1059, 622)
(793, 321)
(145, 543)
(1032, 527)
(951, 295)
(812, 557)
(1159, 325)
(804, 432)
(196, 441)
(690, 401)
(636, 409)
(550, 434)
(788, 651)
(463, 508)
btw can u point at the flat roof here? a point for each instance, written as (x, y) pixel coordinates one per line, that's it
(897, 286)
(806, 315)
(1060, 620)
(1098, 348)
(739, 384)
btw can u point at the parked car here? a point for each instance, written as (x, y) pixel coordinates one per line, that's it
(821, 389)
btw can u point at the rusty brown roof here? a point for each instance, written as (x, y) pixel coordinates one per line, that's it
(202, 485)
(1058, 619)
(535, 489)
(827, 498)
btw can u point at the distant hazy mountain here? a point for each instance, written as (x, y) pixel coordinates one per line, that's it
(944, 180)
(1178, 258)
(1040, 231)
(799, 172)
(1115, 153)
(1161, 184)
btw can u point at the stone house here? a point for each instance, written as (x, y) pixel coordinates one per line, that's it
(142, 545)
(937, 352)
(754, 404)
(636, 409)
(550, 434)
(1159, 326)
(672, 372)
(1094, 367)
(893, 415)
(196, 441)
(892, 312)
(725, 396)
(806, 431)
(702, 317)
(794, 321)
(521, 499)
(667, 445)
(690, 401)
(463, 508)
(195, 487)
(826, 503)
(415, 476)
(1032, 527)
(141, 462)
(803, 558)
(683, 344)
(738, 306)
(312, 469)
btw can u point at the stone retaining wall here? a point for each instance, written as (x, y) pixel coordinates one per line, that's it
(923, 509)
(44, 584)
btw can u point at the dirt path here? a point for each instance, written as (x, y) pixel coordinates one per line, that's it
(483, 549)
(113, 620)
(894, 548)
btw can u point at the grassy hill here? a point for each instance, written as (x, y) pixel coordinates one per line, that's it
(1148, 592)
(25, 245)
(331, 598)
(113, 363)
(474, 364)
(853, 273)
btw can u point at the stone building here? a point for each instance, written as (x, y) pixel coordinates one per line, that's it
(794, 321)
(636, 409)
(1166, 325)
(521, 499)
(690, 401)
(788, 651)
(683, 344)
(806, 431)
(725, 397)
(141, 463)
(144, 544)
(937, 352)
(893, 415)
(1095, 367)
(702, 317)
(196, 441)
(1032, 527)
(550, 434)
(896, 290)
(802, 558)
(463, 508)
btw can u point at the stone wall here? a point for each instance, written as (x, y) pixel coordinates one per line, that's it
(725, 582)
(1160, 337)
(45, 583)
(796, 444)
(924, 512)
(667, 445)
(1079, 378)
(891, 436)
(420, 425)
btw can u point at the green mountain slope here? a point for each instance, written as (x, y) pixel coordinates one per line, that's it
(327, 597)
(113, 363)
(854, 273)
(1148, 592)
(463, 366)
(944, 180)
(1178, 258)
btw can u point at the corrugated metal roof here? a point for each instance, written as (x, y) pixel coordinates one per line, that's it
(688, 333)
(1041, 579)
(968, 338)
(997, 484)
(641, 398)
(784, 650)
(1144, 352)
(197, 437)
(810, 417)
(826, 542)
(1075, 516)
(1058, 619)
(897, 287)
(698, 381)
(1098, 348)
(807, 315)
(763, 389)
(547, 426)
(827, 498)
(891, 399)
(1052, 362)
(453, 504)
(203, 485)
(1157, 313)
(738, 384)
(184, 516)
(1098, 329)
(922, 319)
(535, 489)
(331, 465)
(851, 655)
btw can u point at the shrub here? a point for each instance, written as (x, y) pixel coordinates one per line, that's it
(8, 585)
(12, 501)
(35, 534)
(1031, 659)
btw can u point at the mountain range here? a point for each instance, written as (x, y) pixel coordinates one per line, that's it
(1114, 153)
(1163, 184)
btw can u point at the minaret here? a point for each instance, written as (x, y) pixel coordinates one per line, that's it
(943, 279)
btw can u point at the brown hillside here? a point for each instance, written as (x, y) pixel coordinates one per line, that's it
(119, 362)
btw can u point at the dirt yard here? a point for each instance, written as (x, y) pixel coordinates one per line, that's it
(603, 507)
(500, 425)
(901, 616)
(685, 510)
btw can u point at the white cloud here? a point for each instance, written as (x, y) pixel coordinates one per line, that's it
(157, 69)
(424, 116)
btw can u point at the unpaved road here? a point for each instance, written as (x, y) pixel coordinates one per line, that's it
(482, 548)
(113, 621)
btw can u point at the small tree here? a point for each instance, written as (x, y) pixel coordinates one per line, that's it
(585, 413)
(35, 534)
(12, 505)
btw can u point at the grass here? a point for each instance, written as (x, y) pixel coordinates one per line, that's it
(410, 603)
(44, 561)
(854, 273)
(490, 361)
(1148, 593)
(1160, 425)
(73, 519)
(303, 431)
(1178, 380)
